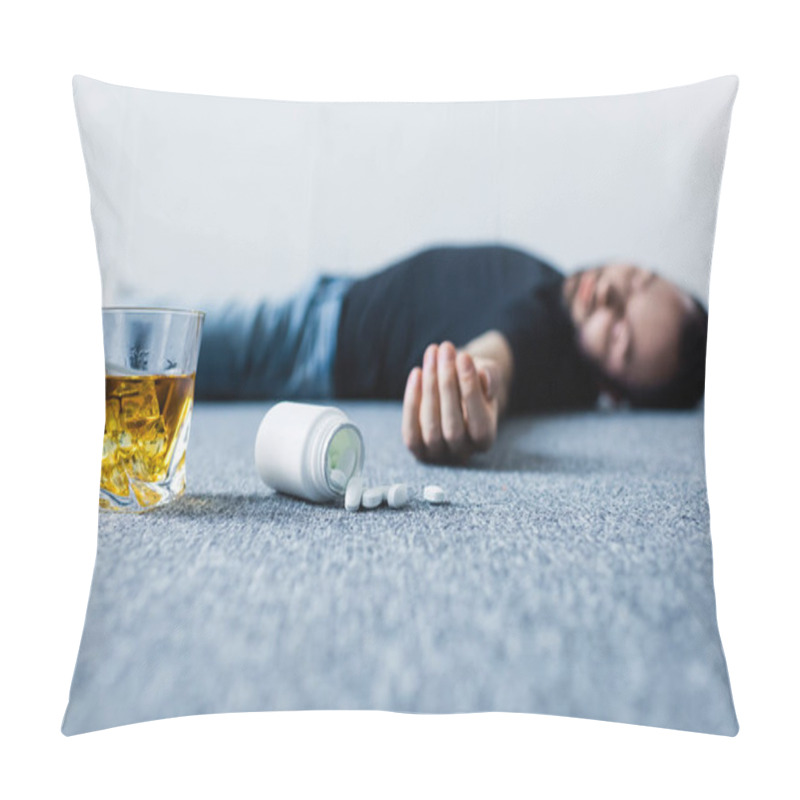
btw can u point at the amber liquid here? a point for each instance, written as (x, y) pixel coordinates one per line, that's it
(147, 428)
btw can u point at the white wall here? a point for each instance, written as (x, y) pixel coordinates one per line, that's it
(196, 197)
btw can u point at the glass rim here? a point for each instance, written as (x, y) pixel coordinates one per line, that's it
(190, 312)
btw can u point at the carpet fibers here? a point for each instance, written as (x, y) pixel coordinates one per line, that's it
(570, 573)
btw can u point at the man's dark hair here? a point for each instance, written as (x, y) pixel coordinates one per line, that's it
(687, 386)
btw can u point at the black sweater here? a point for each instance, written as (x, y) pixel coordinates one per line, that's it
(458, 293)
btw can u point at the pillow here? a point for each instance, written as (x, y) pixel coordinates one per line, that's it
(570, 571)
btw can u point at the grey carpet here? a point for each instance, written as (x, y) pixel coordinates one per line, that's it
(570, 574)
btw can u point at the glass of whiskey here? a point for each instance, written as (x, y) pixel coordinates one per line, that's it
(151, 358)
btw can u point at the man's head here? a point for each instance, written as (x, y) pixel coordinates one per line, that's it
(644, 336)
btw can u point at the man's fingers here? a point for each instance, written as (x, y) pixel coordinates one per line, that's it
(451, 415)
(412, 435)
(429, 416)
(479, 421)
(487, 383)
(448, 406)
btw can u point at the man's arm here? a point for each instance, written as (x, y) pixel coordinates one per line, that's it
(452, 405)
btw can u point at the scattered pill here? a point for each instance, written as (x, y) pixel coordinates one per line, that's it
(397, 496)
(374, 496)
(352, 496)
(433, 494)
(338, 480)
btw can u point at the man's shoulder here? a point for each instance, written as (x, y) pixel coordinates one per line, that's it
(480, 248)
(499, 255)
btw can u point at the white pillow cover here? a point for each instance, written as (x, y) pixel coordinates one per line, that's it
(197, 197)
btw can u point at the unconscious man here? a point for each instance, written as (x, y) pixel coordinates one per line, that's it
(464, 336)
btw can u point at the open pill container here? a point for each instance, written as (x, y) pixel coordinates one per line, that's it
(308, 451)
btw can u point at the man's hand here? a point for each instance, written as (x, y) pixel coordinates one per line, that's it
(451, 405)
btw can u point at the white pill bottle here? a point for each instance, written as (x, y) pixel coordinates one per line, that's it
(308, 451)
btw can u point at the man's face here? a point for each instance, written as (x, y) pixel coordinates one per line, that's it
(628, 321)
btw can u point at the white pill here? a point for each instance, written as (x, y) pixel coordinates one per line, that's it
(338, 480)
(397, 496)
(374, 496)
(433, 494)
(352, 497)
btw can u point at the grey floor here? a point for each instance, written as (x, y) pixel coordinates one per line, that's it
(570, 574)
